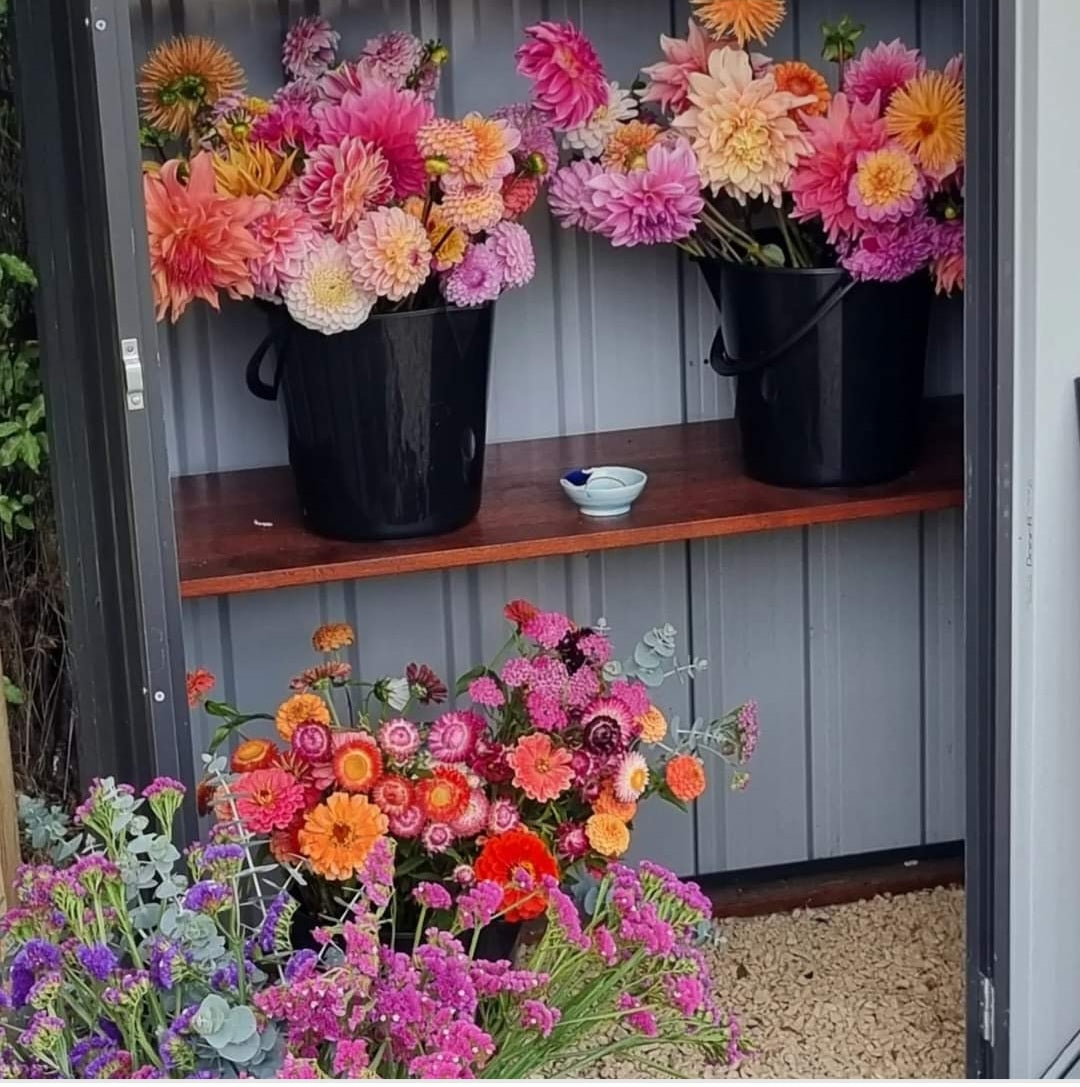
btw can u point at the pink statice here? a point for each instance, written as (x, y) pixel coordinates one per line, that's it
(512, 246)
(484, 691)
(820, 182)
(570, 195)
(289, 126)
(654, 206)
(351, 1058)
(567, 76)
(453, 737)
(391, 57)
(882, 70)
(547, 628)
(890, 252)
(537, 137)
(669, 79)
(309, 47)
(639, 1017)
(288, 235)
(387, 118)
(476, 280)
(538, 1016)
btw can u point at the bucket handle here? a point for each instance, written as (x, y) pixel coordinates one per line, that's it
(275, 338)
(726, 366)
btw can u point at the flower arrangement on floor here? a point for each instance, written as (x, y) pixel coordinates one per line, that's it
(118, 964)
(543, 770)
(342, 195)
(730, 154)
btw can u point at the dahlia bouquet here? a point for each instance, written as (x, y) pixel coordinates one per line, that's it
(732, 155)
(343, 194)
(541, 769)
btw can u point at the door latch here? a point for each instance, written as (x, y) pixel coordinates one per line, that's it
(133, 375)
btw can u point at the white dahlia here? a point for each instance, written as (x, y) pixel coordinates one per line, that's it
(325, 296)
(591, 137)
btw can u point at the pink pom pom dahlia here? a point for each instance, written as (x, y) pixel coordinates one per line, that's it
(390, 253)
(882, 70)
(340, 184)
(288, 235)
(570, 195)
(511, 244)
(476, 280)
(473, 208)
(568, 78)
(309, 47)
(391, 57)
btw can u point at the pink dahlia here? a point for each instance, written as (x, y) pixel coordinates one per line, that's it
(453, 737)
(669, 79)
(390, 253)
(476, 280)
(883, 69)
(948, 265)
(654, 206)
(502, 817)
(473, 208)
(570, 197)
(309, 47)
(399, 739)
(407, 824)
(887, 185)
(568, 78)
(288, 234)
(821, 181)
(388, 118)
(348, 78)
(289, 126)
(341, 184)
(390, 58)
(437, 837)
(890, 252)
(511, 244)
(475, 817)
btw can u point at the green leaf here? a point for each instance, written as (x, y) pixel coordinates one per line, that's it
(462, 684)
(13, 695)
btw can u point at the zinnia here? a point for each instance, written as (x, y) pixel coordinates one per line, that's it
(541, 770)
(652, 725)
(608, 835)
(882, 70)
(685, 777)
(390, 253)
(338, 834)
(332, 637)
(298, 709)
(200, 243)
(517, 852)
(568, 78)
(267, 800)
(742, 19)
(744, 137)
(200, 683)
(926, 116)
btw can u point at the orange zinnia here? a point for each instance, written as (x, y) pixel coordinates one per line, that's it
(444, 796)
(685, 777)
(253, 755)
(506, 859)
(199, 684)
(358, 764)
(337, 836)
(608, 804)
(608, 835)
(298, 709)
(652, 724)
(331, 637)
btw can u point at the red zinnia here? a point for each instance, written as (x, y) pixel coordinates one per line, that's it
(505, 859)
(392, 794)
(199, 684)
(519, 612)
(358, 765)
(444, 796)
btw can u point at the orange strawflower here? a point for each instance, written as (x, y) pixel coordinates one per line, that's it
(444, 796)
(607, 803)
(742, 19)
(337, 836)
(801, 80)
(517, 860)
(685, 777)
(199, 684)
(253, 755)
(652, 725)
(331, 637)
(608, 835)
(358, 764)
(298, 709)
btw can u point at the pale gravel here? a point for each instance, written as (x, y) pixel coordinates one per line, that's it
(873, 989)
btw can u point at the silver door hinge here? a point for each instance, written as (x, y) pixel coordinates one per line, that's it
(133, 376)
(986, 1009)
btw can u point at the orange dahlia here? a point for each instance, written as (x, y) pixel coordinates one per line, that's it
(358, 764)
(742, 19)
(801, 80)
(331, 637)
(628, 145)
(926, 117)
(652, 725)
(517, 861)
(607, 803)
(685, 777)
(253, 755)
(337, 836)
(298, 709)
(608, 835)
(444, 796)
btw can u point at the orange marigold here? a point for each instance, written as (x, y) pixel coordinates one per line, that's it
(608, 835)
(199, 684)
(607, 803)
(517, 860)
(799, 79)
(444, 796)
(358, 764)
(338, 834)
(298, 709)
(652, 724)
(331, 637)
(253, 755)
(685, 777)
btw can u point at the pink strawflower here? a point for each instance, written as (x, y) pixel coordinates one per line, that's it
(437, 838)
(890, 252)
(503, 816)
(309, 47)
(388, 118)
(407, 824)
(476, 280)
(517, 671)
(654, 206)
(311, 741)
(453, 737)
(669, 79)
(390, 253)
(568, 78)
(463, 875)
(400, 739)
(484, 691)
(288, 234)
(267, 800)
(342, 182)
(289, 126)
(886, 186)
(570, 195)
(820, 182)
(474, 819)
(392, 57)
(883, 70)
(547, 628)
(511, 244)
(631, 778)
(571, 841)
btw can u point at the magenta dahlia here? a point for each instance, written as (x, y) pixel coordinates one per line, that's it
(568, 78)
(289, 126)
(288, 234)
(883, 69)
(391, 57)
(890, 252)
(342, 183)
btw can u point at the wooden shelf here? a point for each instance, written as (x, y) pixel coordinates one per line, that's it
(241, 531)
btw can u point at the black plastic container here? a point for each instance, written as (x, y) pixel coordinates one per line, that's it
(387, 423)
(829, 372)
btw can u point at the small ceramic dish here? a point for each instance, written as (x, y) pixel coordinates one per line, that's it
(606, 491)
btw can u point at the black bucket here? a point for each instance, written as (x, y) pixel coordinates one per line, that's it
(387, 423)
(829, 371)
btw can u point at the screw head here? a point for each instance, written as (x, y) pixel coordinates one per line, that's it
(159, 696)
(101, 25)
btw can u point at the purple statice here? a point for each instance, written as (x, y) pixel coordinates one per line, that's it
(890, 252)
(604, 944)
(351, 1059)
(164, 785)
(42, 1035)
(432, 896)
(311, 1007)
(275, 935)
(223, 861)
(377, 873)
(33, 959)
(536, 1015)
(44, 992)
(517, 672)
(36, 885)
(639, 1018)
(147, 1071)
(227, 978)
(301, 964)
(208, 896)
(177, 1053)
(309, 48)
(162, 959)
(97, 960)
(99, 796)
(563, 911)
(475, 280)
(686, 993)
(84, 1049)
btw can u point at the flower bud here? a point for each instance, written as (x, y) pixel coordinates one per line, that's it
(436, 165)
(536, 164)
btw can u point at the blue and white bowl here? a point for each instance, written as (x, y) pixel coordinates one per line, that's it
(606, 491)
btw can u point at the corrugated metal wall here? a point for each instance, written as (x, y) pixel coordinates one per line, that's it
(849, 636)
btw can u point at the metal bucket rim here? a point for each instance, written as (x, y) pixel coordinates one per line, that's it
(770, 270)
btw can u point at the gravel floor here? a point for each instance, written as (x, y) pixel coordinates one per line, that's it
(867, 990)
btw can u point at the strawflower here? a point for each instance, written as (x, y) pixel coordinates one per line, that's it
(632, 778)
(400, 739)
(453, 736)
(358, 764)
(443, 796)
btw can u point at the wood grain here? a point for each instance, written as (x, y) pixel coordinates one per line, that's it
(241, 531)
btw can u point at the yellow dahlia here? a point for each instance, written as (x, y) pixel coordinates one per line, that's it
(926, 116)
(608, 835)
(473, 207)
(390, 253)
(297, 710)
(448, 244)
(628, 144)
(183, 76)
(741, 19)
(745, 140)
(801, 80)
(245, 169)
